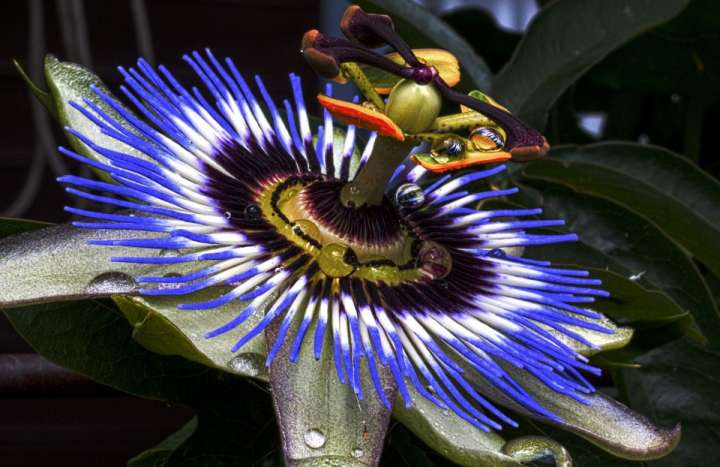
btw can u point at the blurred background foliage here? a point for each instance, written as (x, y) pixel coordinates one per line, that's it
(627, 92)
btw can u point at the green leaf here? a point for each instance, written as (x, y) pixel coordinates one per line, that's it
(10, 226)
(679, 382)
(158, 455)
(479, 27)
(631, 303)
(614, 238)
(665, 188)
(421, 28)
(563, 41)
(409, 451)
(235, 420)
(679, 57)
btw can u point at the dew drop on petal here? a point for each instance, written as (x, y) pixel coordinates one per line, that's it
(357, 453)
(111, 283)
(409, 196)
(252, 212)
(314, 438)
(434, 261)
(486, 139)
(250, 364)
(448, 147)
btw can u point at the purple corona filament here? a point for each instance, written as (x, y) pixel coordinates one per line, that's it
(192, 177)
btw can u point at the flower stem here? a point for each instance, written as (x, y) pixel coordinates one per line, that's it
(370, 183)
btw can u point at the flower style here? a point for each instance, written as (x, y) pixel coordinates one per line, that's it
(418, 284)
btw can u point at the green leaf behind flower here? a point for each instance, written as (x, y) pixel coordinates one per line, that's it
(564, 40)
(235, 420)
(614, 238)
(680, 382)
(666, 188)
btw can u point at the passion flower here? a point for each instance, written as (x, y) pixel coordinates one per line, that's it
(415, 281)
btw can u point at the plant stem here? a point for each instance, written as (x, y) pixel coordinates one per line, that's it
(369, 184)
(355, 73)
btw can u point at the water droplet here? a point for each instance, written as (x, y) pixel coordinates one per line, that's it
(497, 253)
(486, 139)
(644, 139)
(249, 364)
(228, 214)
(448, 147)
(675, 98)
(434, 261)
(111, 283)
(357, 453)
(314, 438)
(636, 277)
(252, 212)
(278, 270)
(409, 196)
(354, 189)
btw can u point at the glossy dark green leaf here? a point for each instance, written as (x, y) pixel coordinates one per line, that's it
(631, 303)
(614, 238)
(563, 41)
(680, 57)
(680, 382)
(421, 28)
(666, 188)
(409, 451)
(10, 226)
(158, 455)
(479, 27)
(91, 337)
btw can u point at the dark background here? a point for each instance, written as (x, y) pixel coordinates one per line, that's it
(663, 87)
(94, 425)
